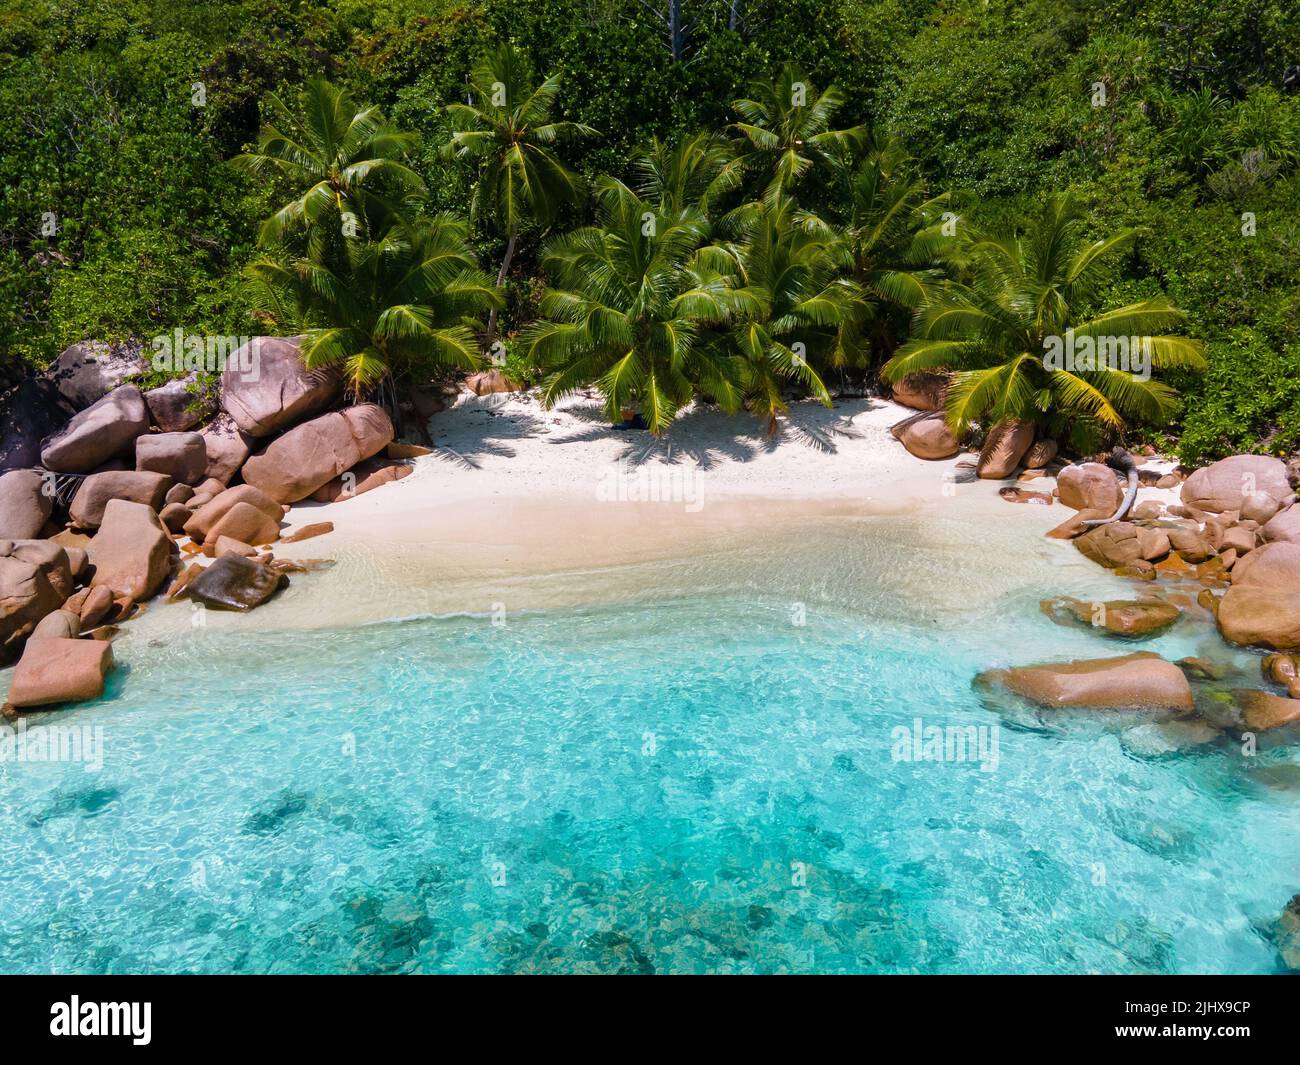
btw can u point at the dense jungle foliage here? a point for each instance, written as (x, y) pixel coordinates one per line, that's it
(137, 181)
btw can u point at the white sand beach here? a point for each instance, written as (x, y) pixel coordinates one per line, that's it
(522, 506)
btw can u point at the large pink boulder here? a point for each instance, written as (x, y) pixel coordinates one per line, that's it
(24, 505)
(266, 388)
(245, 523)
(1283, 527)
(1226, 484)
(182, 456)
(131, 552)
(1142, 681)
(1275, 565)
(52, 557)
(294, 465)
(1090, 486)
(1262, 608)
(102, 431)
(491, 382)
(60, 670)
(201, 522)
(87, 371)
(1004, 447)
(180, 404)
(93, 494)
(929, 437)
(29, 589)
(228, 446)
(923, 390)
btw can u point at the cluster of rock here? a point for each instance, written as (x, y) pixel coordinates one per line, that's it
(1008, 446)
(151, 484)
(1236, 530)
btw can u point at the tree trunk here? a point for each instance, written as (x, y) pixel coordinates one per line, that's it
(501, 280)
(676, 32)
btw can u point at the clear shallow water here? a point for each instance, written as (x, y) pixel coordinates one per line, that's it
(681, 782)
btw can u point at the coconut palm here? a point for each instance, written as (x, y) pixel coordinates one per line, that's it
(404, 304)
(799, 310)
(633, 297)
(340, 158)
(785, 127)
(697, 172)
(891, 228)
(1023, 294)
(507, 132)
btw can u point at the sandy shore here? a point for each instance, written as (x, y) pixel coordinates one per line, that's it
(508, 448)
(522, 508)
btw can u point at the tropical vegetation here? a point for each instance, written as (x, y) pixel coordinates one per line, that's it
(772, 201)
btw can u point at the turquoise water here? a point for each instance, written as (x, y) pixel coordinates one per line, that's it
(687, 783)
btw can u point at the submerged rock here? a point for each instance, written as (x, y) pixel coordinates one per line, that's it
(490, 382)
(1262, 711)
(1284, 670)
(1130, 618)
(1288, 934)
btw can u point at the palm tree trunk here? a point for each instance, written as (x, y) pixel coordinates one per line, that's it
(501, 280)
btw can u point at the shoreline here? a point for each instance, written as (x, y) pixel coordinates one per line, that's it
(537, 526)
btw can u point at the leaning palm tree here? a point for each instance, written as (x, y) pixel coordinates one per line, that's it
(1025, 298)
(632, 301)
(404, 305)
(799, 310)
(340, 158)
(785, 126)
(506, 130)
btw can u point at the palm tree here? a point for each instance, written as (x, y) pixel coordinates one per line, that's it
(334, 153)
(633, 297)
(799, 310)
(404, 303)
(1023, 295)
(786, 126)
(697, 172)
(891, 229)
(507, 131)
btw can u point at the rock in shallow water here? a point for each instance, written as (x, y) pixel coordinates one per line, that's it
(233, 582)
(1142, 681)
(60, 670)
(1131, 618)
